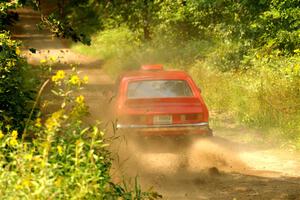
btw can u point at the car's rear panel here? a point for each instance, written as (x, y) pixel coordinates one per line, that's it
(181, 110)
(163, 116)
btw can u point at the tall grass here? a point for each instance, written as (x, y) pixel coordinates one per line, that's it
(258, 90)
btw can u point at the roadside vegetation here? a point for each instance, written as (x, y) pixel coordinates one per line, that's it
(49, 155)
(244, 55)
(58, 156)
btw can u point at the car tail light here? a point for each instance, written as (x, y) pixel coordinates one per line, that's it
(134, 119)
(191, 117)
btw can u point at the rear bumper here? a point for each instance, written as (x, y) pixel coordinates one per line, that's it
(168, 130)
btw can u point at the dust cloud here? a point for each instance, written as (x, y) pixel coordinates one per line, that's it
(136, 155)
(205, 168)
(206, 154)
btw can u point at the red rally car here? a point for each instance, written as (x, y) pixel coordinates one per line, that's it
(155, 102)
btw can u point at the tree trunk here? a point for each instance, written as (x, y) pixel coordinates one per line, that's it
(146, 26)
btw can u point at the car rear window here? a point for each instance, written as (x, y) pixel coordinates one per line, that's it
(158, 89)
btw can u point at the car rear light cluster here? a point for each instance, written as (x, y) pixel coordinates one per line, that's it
(189, 118)
(149, 119)
(134, 119)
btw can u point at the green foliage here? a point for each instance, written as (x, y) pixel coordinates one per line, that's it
(278, 26)
(60, 157)
(227, 56)
(18, 86)
(63, 20)
(140, 16)
(269, 24)
(63, 29)
(263, 97)
(7, 17)
(111, 43)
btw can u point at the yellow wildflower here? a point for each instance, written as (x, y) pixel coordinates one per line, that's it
(57, 114)
(60, 74)
(38, 122)
(51, 124)
(18, 51)
(59, 150)
(85, 79)
(1, 134)
(43, 61)
(75, 80)
(53, 121)
(80, 99)
(13, 142)
(14, 134)
(54, 78)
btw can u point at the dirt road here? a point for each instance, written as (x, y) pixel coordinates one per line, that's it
(48, 46)
(227, 166)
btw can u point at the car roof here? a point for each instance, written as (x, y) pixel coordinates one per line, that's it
(157, 74)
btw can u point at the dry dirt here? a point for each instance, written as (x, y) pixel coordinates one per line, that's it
(221, 167)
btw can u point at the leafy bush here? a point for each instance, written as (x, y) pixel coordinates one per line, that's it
(110, 44)
(277, 27)
(227, 56)
(266, 96)
(7, 16)
(18, 85)
(59, 156)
